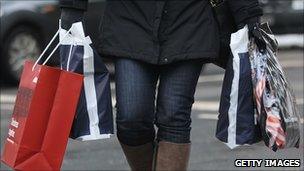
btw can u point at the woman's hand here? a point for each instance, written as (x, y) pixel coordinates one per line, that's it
(254, 32)
(70, 16)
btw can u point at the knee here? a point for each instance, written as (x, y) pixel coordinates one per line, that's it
(134, 126)
(174, 127)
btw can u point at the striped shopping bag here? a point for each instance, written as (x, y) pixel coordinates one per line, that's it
(237, 120)
(94, 118)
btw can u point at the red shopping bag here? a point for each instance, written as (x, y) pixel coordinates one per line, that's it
(42, 118)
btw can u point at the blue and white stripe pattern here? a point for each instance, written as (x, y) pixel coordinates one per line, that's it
(236, 122)
(93, 119)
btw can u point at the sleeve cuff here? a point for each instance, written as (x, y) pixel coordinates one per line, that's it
(76, 4)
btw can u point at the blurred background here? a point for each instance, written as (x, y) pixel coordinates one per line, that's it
(26, 26)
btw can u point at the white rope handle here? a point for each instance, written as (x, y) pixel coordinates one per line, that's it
(47, 47)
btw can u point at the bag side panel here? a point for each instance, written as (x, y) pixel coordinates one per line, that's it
(61, 118)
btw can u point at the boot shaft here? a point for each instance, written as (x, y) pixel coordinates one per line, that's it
(172, 156)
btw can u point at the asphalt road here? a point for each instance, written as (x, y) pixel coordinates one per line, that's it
(207, 153)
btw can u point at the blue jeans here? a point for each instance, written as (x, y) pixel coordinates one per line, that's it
(139, 109)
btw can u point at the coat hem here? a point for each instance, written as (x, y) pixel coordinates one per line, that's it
(114, 53)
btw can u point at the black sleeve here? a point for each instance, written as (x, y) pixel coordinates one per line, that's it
(76, 4)
(244, 9)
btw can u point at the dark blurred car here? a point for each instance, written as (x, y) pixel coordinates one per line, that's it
(27, 25)
(284, 16)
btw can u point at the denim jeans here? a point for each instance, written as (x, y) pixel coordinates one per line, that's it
(139, 108)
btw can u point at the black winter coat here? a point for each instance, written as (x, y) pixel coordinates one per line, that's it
(162, 32)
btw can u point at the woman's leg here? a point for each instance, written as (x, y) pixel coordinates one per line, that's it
(174, 102)
(135, 92)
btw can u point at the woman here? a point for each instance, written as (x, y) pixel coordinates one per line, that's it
(151, 41)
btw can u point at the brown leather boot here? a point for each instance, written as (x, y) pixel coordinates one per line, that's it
(140, 158)
(172, 156)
